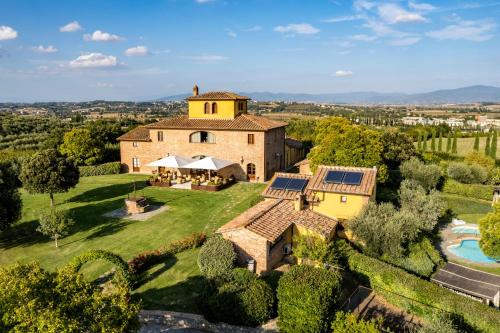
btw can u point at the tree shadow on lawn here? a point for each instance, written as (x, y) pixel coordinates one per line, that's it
(108, 192)
(23, 234)
(181, 297)
(147, 277)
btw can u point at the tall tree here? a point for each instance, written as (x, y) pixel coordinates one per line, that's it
(397, 148)
(10, 200)
(448, 142)
(84, 146)
(487, 146)
(440, 142)
(419, 141)
(49, 172)
(433, 141)
(454, 145)
(424, 145)
(493, 149)
(476, 142)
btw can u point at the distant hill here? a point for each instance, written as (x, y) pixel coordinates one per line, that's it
(464, 95)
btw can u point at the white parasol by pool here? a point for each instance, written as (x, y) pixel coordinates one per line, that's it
(172, 161)
(209, 163)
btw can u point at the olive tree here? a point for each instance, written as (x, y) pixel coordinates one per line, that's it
(55, 224)
(426, 175)
(10, 200)
(49, 172)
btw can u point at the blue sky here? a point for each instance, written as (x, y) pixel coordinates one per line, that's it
(132, 50)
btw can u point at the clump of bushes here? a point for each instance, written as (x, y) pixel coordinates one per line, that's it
(111, 168)
(478, 191)
(144, 260)
(468, 174)
(217, 258)
(426, 175)
(241, 299)
(348, 322)
(306, 299)
(422, 297)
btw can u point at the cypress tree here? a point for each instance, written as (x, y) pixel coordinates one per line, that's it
(419, 141)
(424, 145)
(454, 144)
(493, 148)
(487, 147)
(448, 142)
(440, 142)
(433, 141)
(476, 142)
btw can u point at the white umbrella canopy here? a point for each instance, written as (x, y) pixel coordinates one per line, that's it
(171, 162)
(209, 163)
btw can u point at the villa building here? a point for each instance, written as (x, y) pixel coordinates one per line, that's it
(298, 204)
(217, 125)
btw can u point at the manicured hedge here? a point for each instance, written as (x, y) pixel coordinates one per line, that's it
(217, 258)
(484, 192)
(111, 168)
(422, 297)
(306, 299)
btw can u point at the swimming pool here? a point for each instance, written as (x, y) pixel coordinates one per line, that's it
(466, 229)
(469, 249)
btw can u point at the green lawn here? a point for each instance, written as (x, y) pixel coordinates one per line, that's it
(167, 286)
(468, 209)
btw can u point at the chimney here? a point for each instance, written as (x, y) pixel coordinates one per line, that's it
(195, 90)
(298, 202)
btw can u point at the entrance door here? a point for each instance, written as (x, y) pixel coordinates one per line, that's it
(251, 171)
(136, 165)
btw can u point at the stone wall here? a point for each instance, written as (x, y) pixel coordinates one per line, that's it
(249, 245)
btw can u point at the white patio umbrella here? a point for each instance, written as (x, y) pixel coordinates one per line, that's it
(172, 161)
(209, 163)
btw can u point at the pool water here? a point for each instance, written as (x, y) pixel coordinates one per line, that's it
(466, 230)
(469, 249)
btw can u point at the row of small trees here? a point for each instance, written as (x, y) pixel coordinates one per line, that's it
(490, 148)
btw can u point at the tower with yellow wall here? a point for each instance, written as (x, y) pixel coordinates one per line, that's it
(216, 105)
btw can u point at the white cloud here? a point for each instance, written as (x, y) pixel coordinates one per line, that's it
(7, 33)
(342, 73)
(254, 28)
(207, 58)
(231, 33)
(406, 41)
(423, 7)
(392, 14)
(71, 27)
(104, 85)
(343, 19)
(42, 49)
(94, 60)
(299, 28)
(468, 30)
(137, 51)
(363, 38)
(100, 36)
(204, 1)
(361, 5)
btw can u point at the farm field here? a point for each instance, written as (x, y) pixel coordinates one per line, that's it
(188, 212)
(464, 145)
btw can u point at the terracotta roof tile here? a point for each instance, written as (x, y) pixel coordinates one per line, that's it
(242, 122)
(303, 162)
(367, 186)
(269, 219)
(140, 133)
(217, 95)
(283, 194)
(291, 142)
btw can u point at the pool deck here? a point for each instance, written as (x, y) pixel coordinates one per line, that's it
(450, 238)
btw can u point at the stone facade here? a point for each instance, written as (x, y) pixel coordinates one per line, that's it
(266, 153)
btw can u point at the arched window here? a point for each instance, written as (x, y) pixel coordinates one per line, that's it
(251, 171)
(207, 108)
(202, 137)
(214, 108)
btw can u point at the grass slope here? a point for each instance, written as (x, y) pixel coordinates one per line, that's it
(189, 211)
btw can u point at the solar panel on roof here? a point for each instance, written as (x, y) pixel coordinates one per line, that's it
(334, 177)
(352, 178)
(296, 184)
(280, 183)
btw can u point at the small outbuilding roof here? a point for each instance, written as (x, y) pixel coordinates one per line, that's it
(294, 143)
(365, 187)
(270, 192)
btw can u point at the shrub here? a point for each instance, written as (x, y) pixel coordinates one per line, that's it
(421, 297)
(111, 168)
(494, 176)
(310, 247)
(426, 175)
(467, 174)
(351, 323)
(217, 257)
(490, 233)
(306, 299)
(476, 158)
(484, 192)
(241, 300)
(144, 260)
